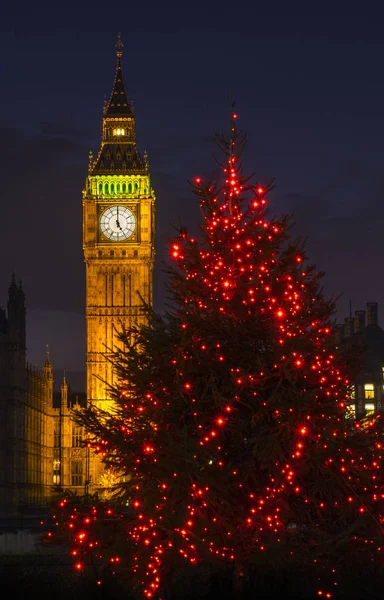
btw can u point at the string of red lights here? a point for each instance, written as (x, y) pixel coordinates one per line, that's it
(232, 418)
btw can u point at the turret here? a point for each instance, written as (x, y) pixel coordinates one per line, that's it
(16, 316)
(64, 394)
(15, 339)
(48, 376)
(47, 370)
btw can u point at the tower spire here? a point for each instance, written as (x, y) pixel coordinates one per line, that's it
(13, 287)
(118, 105)
(47, 370)
(64, 393)
(118, 153)
(16, 313)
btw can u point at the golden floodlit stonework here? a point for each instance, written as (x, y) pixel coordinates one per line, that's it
(118, 242)
(41, 447)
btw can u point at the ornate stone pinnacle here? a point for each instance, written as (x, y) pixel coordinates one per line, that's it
(119, 46)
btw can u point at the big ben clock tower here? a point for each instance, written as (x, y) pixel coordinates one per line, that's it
(118, 238)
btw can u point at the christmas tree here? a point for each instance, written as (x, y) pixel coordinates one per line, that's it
(232, 434)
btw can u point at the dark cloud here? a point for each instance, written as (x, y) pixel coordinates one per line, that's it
(63, 331)
(57, 129)
(344, 223)
(180, 149)
(40, 195)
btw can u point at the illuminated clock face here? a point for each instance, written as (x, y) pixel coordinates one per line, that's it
(117, 223)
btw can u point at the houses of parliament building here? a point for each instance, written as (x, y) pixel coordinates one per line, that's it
(40, 444)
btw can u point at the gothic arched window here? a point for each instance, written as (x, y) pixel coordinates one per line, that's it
(129, 188)
(124, 188)
(106, 188)
(118, 188)
(100, 188)
(112, 188)
(136, 187)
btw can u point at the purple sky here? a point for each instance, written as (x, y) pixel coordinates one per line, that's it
(309, 90)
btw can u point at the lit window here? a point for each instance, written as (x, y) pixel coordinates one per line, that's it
(369, 391)
(370, 407)
(56, 472)
(382, 371)
(119, 131)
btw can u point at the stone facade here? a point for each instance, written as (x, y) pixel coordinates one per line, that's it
(39, 442)
(363, 334)
(40, 445)
(118, 242)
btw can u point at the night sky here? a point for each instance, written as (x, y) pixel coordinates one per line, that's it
(309, 90)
